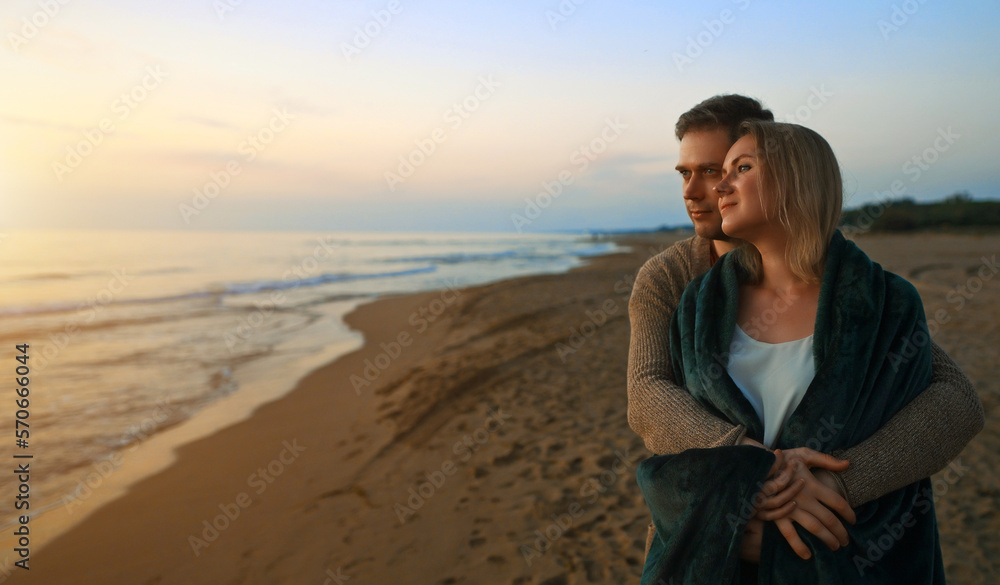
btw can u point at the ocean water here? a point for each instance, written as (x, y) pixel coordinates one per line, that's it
(131, 333)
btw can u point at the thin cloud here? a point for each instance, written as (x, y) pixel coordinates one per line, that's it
(206, 121)
(39, 123)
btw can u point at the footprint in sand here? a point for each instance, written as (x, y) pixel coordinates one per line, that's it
(605, 461)
(625, 501)
(916, 272)
(555, 447)
(509, 457)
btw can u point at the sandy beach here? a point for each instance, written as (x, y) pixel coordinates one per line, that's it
(480, 436)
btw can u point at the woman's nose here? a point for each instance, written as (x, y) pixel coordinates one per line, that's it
(723, 187)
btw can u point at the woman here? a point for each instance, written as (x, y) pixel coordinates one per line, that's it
(849, 345)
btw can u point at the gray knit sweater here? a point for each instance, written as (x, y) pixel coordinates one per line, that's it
(919, 441)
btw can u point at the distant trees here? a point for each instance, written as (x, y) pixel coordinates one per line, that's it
(958, 210)
(958, 197)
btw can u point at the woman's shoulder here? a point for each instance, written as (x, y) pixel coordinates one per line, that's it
(898, 283)
(897, 289)
(857, 265)
(900, 290)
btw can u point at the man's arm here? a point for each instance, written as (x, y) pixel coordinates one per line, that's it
(665, 415)
(920, 440)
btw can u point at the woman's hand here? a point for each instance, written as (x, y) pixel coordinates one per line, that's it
(745, 440)
(793, 493)
(814, 511)
(777, 493)
(772, 498)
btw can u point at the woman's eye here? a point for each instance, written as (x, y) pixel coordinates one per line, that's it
(743, 168)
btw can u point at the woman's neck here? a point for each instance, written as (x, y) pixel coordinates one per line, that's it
(790, 301)
(776, 274)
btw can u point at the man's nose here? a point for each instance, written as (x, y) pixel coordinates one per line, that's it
(694, 189)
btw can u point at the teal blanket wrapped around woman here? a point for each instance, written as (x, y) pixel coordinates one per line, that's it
(872, 356)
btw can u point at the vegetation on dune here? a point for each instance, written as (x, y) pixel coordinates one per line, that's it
(955, 212)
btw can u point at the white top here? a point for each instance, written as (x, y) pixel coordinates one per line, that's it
(773, 376)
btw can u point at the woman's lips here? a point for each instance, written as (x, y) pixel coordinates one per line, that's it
(726, 205)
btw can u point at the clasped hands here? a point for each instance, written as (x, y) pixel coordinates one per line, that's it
(799, 488)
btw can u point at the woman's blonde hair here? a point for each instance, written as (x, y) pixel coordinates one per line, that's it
(800, 185)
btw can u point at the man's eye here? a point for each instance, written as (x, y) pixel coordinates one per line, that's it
(711, 172)
(685, 174)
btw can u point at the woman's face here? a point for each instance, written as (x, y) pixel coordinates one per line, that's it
(740, 202)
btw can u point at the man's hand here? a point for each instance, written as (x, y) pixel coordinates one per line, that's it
(829, 480)
(752, 537)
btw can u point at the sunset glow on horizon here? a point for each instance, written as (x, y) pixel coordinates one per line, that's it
(228, 114)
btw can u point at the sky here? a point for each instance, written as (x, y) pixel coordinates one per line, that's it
(465, 116)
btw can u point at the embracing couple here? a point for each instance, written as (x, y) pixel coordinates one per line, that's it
(787, 384)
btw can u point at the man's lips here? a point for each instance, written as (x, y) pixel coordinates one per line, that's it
(700, 212)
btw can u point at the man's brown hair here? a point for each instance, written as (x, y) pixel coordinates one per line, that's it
(722, 111)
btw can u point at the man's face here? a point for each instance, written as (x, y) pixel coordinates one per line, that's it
(700, 165)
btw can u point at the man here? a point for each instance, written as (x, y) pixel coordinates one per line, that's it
(919, 441)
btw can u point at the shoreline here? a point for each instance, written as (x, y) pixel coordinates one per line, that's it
(114, 476)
